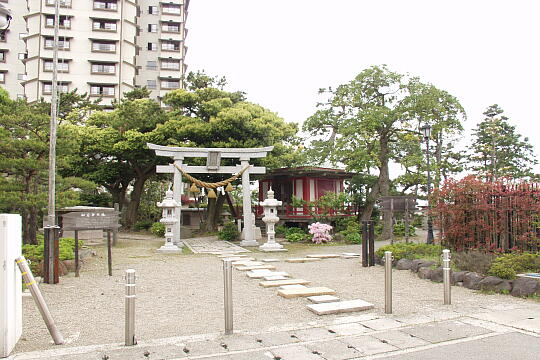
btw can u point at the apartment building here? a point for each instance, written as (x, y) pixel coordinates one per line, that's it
(106, 47)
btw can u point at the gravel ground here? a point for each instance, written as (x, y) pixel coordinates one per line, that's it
(183, 295)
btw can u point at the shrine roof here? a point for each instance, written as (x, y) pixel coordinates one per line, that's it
(309, 171)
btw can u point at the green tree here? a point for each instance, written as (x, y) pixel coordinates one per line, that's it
(497, 150)
(371, 121)
(24, 150)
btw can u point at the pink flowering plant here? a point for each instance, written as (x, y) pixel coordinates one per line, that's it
(320, 232)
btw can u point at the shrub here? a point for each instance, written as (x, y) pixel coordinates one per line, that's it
(295, 237)
(229, 232)
(351, 232)
(281, 231)
(474, 261)
(509, 265)
(399, 229)
(34, 253)
(158, 229)
(411, 251)
(320, 232)
(143, 225)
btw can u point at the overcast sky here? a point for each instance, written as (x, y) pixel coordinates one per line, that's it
(281, 52)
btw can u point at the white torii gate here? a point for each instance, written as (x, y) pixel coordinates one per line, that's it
(213, 157)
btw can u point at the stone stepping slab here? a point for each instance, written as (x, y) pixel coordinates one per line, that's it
(294, 293)
(323, 256)
(296, 286)
(275, 277)
(302, 260)
(256, 267)
(340, 307)
(247, 263)
(270, 260)
(267, 284)
(256, 274)
(321, 299)
(237, 259)
(232, 255)
(350, 255)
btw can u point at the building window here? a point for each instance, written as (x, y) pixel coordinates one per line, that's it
(151, 84)
(170, 27)
(103, 68)
(104, 25)
(101, 90)
(3, 36)
(152, 46)
(2, 77)
(104, 46)
(3, 54)
(63, 66)
(170, 64)
(170, 84)
(21, 96)
(23, 56)
(65, 21)
(170, 45)
(21, 77)
(47, 88)
(151, 65)
(63, 3)
(63, 43)
(172, 9)
(152, 28)
(153, 10)
(105, 5)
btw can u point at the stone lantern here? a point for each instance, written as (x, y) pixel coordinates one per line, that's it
(270, 218)
(169, 219)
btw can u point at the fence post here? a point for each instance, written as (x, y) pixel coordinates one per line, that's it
(365, 243)
(388, 282)
(130, 308)
(31, 284)
(446, 277)
(227, 296)
(51, 249)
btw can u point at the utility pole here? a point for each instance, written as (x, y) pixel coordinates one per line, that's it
(51, 221)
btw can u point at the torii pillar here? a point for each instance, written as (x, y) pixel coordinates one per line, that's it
(213, 157)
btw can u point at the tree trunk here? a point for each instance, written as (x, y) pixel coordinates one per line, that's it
(438, 160)
(371, 198)
(213, 213)
(384, 186)
(135, 200)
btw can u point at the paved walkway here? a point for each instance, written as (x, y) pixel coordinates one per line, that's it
(211, 244)
(495, 334)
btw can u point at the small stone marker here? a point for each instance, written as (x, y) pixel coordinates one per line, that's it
(302, 260)
(321, 299)
(277, 283)
(340, 307)
(297, 286)
(275, 277)
(270, 260)
(323, 256)
(256, 267)
(294, 293)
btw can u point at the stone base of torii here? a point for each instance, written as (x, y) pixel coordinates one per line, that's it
(213, 158)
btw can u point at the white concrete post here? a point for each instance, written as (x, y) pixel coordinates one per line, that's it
(10, 283)
(249, 239)
(177, 192)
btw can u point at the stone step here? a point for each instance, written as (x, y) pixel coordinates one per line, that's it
(350, 255)
(256, 267)
(232, 255)
(275, 277)
(277, 283)
(294, 293)
(321, 299)
(323, 256)
(237, 259)
(340, 307)
(247, 263)
(302, 260)
(256, 274)
(296, 286)
(270, 260)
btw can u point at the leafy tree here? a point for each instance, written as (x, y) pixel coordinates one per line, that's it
(498, 150)
(372, 120)
(24, 150)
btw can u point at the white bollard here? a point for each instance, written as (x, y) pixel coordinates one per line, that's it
(130, 308)
(227, 296)
(10, 283)
(446, 277)
(387, 282)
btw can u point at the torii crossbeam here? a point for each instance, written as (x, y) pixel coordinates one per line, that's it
(213, 157)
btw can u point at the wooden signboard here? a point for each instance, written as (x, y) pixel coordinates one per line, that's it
(398, 203)
(91, 220)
